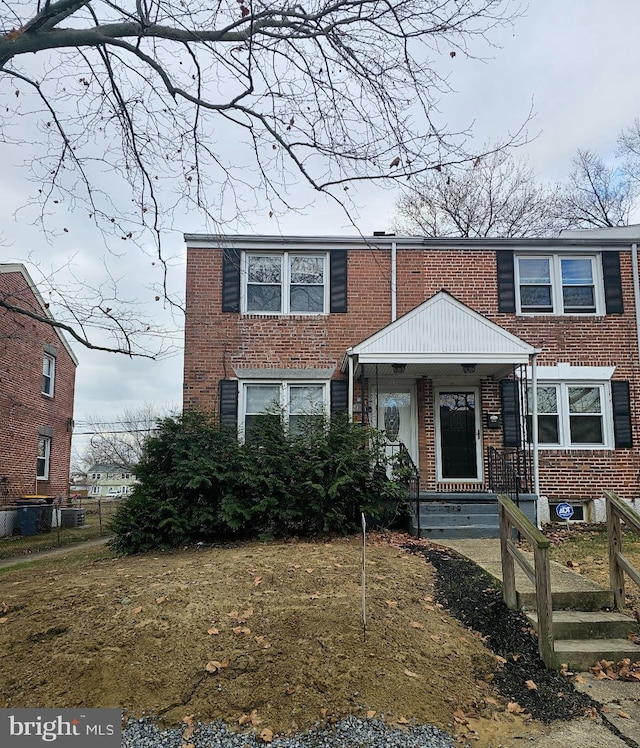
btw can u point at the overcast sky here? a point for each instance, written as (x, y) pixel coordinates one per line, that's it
(576, 63)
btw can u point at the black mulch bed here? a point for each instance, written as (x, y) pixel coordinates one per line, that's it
(472, 597)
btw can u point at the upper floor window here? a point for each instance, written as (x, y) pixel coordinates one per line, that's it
(559, 284)
(285, 283)
(48, 374)
(44, 456)
(96, 476)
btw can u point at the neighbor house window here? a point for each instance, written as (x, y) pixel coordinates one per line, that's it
(296, 404)
(48, 374)
(572, 415)
(94, 491)
(557, 284)
(285, 283)
(44, 455)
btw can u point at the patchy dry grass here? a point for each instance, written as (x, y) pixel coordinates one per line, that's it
(266, 634)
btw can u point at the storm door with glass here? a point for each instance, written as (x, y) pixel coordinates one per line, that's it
(458, 435)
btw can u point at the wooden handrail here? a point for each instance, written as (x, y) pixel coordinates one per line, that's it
(619, 511)
(539, 573)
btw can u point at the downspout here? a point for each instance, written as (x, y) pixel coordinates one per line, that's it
(636, 289)
(534, 434)
(394, 281)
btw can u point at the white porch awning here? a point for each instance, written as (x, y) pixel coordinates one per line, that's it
(441, 333)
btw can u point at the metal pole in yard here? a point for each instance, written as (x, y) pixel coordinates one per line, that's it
(364, 575)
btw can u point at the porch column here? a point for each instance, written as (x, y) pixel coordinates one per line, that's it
(534, 433)
(350, 387)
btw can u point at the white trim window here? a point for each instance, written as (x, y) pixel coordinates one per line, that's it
(94, 491)
(573, 415)
(48, 374)
(293, 402)
(285, 283)
(44, 457)
(559, 284)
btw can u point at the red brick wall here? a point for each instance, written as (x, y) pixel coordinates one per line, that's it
(215, 343)
(23, 409)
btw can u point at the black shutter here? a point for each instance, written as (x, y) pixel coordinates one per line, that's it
(506, 282)
(511, 430)
(612, 282)
(338, 279)
(339, 396)
(621, 414)
(231, 280)
(229, 403)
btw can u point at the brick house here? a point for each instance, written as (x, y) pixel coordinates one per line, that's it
(467, 351)
(37, 381)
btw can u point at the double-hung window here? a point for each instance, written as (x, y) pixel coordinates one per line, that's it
(559, 284)
(44, 456)
(48, 374)
(296, 404)
(285, 283)
(572, 415)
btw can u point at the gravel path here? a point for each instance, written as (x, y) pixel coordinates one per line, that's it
(352, 732)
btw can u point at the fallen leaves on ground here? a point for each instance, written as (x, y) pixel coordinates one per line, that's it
(623, 670)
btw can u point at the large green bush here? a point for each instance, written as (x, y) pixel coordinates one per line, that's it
(198, 482)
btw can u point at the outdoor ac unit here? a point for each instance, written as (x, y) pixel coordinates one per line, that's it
(71, 517)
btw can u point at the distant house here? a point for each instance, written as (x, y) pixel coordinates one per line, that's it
(109, 481)
(479, 352)
(37, 381)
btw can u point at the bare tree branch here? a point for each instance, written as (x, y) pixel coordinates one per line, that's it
(147, 109)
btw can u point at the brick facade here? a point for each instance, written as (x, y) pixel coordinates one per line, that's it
(26, 413)
(218, 344)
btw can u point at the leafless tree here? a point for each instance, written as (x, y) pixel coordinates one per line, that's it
(120, 441)
(135, 112)
(597, 194)
(497, 195)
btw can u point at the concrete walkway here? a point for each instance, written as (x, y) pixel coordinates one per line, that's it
(619, 726)
(51, 552)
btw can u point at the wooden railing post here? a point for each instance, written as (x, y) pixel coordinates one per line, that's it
(544, 605)
(509, 592)
(614, 537)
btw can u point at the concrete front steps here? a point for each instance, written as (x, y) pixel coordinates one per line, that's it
(444, 516)
(585, 628)
(581, 638)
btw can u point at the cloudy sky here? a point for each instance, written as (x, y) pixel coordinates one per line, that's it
(575, 63)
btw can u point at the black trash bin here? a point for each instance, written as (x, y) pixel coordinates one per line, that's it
(30, 516)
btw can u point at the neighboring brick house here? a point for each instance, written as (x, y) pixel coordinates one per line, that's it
(448, 335)
(37, 381)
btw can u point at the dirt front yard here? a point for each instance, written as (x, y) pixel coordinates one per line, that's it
(261, 635)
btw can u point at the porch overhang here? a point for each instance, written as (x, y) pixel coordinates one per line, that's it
(438, 338)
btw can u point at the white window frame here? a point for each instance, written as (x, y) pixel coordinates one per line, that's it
(283, 404)
(285, 281)
(49, 376)
(564, 416)
(555, 269)
(46, 441)
(94, 490)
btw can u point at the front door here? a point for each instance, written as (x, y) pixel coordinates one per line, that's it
(458, 435)
(396, 417)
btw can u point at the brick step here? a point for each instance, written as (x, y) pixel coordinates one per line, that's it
(578, 624)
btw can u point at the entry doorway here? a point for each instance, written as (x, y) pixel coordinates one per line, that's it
(458, 437)
(397, 417)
